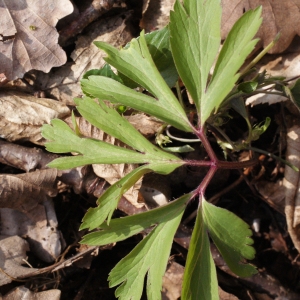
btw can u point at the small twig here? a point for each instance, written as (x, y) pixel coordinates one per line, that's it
(12, 278)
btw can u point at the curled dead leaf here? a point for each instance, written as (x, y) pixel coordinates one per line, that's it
(24, 191)
(28, 36)
(273, 193)
(22, 115)
(292, 184)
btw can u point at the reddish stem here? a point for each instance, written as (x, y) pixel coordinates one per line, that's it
(214, 163)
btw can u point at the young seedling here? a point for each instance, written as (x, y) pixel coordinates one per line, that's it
(186, 49)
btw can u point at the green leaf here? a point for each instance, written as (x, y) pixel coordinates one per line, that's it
(104, 71)
(158, 43)
(293, 92)
(137, 64)
(248, 86)
(259, 129)
(149, 256)
(123, 228)
(200, 278)
(195, 40)
(237, 46)
(231, 236)
(63, 140)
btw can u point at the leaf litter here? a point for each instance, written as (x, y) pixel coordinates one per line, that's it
(62, 84)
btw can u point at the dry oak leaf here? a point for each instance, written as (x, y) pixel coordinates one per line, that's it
(28, 35)
(278, 16)
(63, 83)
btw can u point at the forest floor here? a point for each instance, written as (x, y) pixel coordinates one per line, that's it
(41, 209)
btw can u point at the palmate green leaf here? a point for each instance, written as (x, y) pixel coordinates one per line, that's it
(197, 24)
(231, 235)
(123, 228)
(195, 40)
(237, 46)
(137, 64)
(108, 202)
(200, 278)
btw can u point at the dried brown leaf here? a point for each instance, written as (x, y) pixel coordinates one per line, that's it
(63, 83)
(273, 193)
(39, 225)
(292, 184)
(24, 191)
(12, 255)
(172, 282)
(23, 293)
(22, 115)
(278, 16)
(146, 125)
(29, 38)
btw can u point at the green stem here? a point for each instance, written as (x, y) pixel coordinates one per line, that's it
(178, 90)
